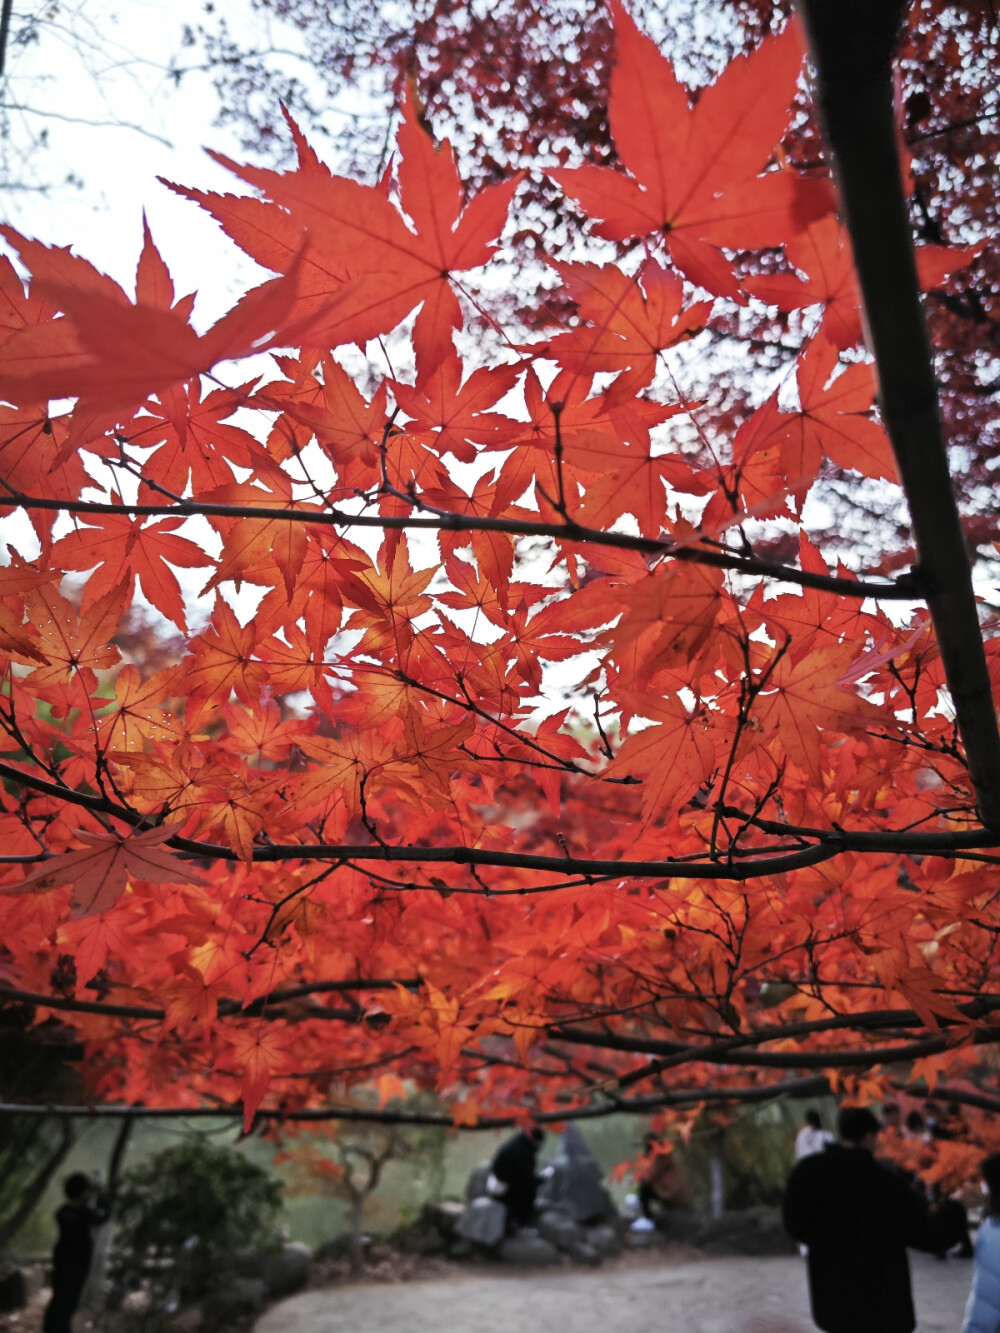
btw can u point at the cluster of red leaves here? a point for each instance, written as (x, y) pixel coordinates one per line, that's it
(346, 835)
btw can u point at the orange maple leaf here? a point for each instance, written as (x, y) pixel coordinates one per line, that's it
(74, 645)
(221, 661)
(347, 427)
(364, 269)
(32, 464)
(673, 757)
(456, 412)
(262, 1053)
(100, 873)
(265, 546)
(694, 171)
(823, 254)
(633, 319)
(833, 419)
(111, 353)
(192, 439)
(139, 717)
(804, 700)
(122, 547)
(466, 1112)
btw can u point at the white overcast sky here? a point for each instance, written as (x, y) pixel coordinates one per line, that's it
(97, 69)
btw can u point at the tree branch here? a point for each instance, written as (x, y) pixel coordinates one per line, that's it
(851, 43)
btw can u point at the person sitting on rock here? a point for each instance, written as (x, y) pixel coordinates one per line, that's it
(83, 1210)
(664, 1186)
(514, 1168)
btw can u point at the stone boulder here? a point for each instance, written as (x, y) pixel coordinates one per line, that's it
(484, 1222)
(527, 1251)
(644, 1239)
(754, 1231)
(443, 1216)
(420, 1240)
(238, 1302)
(285, 1271)
(339, 1247)
(475, 1186)
(605, 1239)
(557, 1225)
(433, 1230)
(13, 1288)
(583, 1253)
(575, 1184)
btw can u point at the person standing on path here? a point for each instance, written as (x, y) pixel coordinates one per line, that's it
(812, 1137)
(83, 1210)
(857, 1218)
(982, 1313)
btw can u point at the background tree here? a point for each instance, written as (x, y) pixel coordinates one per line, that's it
(349, 1164)
(510, 765)
(524, 85)
(34, 1067)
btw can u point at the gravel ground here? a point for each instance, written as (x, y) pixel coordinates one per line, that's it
(664, 1293)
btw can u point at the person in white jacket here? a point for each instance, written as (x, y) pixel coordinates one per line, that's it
(982, 1312)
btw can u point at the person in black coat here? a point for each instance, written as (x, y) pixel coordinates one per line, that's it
(83, 1210)
(514, 1167)
(857, 1218)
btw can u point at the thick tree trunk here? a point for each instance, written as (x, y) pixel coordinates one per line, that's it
(851, 43)
(357, 1233)
(96, 1288)
(38, 1184)
(717, 1185)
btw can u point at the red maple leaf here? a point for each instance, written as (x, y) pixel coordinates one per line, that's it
(33, 463)
(633, 319)
(694, 171)
(804, 699)
(833, 420)
(823, 254)
(112, 353)
(364, 269)
(673, 757)
(261, 1053)
(100, 873)
(120, 546)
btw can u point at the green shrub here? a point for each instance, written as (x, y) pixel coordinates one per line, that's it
(184, 1215)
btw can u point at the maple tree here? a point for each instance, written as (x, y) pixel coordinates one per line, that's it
(508, 763)
(495, 79)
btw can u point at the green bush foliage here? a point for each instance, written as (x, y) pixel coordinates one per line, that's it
(186, 1214)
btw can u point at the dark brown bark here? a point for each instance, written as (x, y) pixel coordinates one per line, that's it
(851, 43)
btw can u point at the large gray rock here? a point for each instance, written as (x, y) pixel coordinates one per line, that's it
(582, 1253)
(284, 1271)
(475, 1186)
(239, 1302)
(443, 1217)
(755, 1231)
(644, 1240)
(528, 1251)
(604, 1239)
(13, 1289)
(484, 1222)
(433, 1230)
(557, 1226)
(421, 1240)
(340, 1246)
(575, 1184)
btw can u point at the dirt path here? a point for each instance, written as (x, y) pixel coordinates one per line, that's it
(663, 1296)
